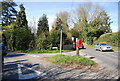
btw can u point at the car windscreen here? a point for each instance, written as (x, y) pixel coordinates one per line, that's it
(103, 44)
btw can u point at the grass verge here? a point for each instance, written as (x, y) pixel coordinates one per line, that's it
(42, 51)
(68, 59)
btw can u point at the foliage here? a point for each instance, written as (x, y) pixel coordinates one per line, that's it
(8, 38)
(91, 22)
(8, 12)
(42, 42)
(55, 34)
(23, 38)
(18, 38)
(42, 51)
(55, 38)
(43, 25)
(18, 35)
(60, 58)
(64, 16)
(21, 20)
(110, 38)
(32, 42)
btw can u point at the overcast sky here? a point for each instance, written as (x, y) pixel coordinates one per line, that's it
(34, 10)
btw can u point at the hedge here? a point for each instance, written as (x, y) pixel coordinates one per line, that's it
(110, 38)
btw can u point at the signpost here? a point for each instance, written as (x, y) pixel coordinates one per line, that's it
(61, 39)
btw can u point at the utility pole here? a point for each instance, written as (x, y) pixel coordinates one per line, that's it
(61, 39)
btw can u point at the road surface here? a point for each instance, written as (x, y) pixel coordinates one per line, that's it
(32, 67)
(108, 58)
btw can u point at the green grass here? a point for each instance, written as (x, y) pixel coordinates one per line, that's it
(91, 45)
(60, 58)
(42, 51)
(116, 48)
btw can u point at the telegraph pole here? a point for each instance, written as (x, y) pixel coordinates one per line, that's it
(61, 39)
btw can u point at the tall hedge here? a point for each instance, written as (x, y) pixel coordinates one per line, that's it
(110, 38)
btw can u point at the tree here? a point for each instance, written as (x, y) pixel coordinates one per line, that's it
(8, 12)
(23, 38)
(18, 35)
(42, 41)
(56, 25)
(21, 20)
(43, 26)
(64, 16)
(89, 17)
(55, 33)
(22, 32)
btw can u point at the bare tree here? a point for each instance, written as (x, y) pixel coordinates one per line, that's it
(64, 16)
(33, 26)
(86, 11)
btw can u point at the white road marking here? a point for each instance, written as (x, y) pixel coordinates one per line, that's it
(34, 55)
(29, 76)
(52, 69)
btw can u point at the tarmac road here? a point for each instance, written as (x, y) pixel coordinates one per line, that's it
(107, 58)
(31, 67)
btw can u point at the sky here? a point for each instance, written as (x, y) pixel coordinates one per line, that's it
(34, 10)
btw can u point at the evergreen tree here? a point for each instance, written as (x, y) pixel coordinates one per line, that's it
(42, 41)
(55, 33)
(43, 26)
(22, 32)
(8, 12)
(21, 20)
(58, 23)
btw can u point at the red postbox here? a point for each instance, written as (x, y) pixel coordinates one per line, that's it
(79, 43)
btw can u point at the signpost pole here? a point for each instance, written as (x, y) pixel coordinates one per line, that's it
(61, 39)
(61, 42)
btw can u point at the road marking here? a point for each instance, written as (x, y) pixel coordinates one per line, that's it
(34, 55)
(29, 76)
(52, 69)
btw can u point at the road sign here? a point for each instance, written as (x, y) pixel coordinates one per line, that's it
(61, 27)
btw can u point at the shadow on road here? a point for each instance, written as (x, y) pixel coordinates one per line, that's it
(13, 55)
(10, 70)
(91, 57)
(109, 51)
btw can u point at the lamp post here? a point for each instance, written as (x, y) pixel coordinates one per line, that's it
(61, 38)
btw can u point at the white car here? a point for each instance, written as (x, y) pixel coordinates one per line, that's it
(103, 47)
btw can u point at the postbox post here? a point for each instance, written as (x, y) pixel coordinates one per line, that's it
(77, 51)
(78, 44)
